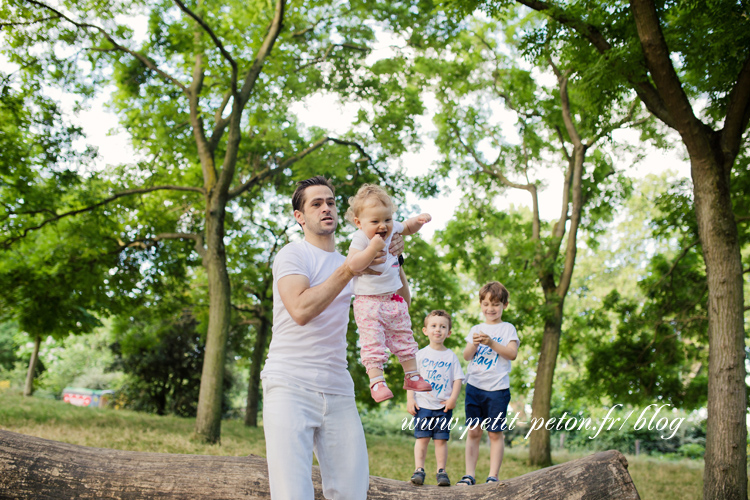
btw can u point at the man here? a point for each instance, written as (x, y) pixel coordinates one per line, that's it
(308, 393)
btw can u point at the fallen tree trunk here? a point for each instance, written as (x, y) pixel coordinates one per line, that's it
(35, 468)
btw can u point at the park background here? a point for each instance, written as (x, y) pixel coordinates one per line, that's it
(142, 207)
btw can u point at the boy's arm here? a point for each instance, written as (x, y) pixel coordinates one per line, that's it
(509, 352)
(414, 224)
(469, 351)
(451, 403)
(411, 403)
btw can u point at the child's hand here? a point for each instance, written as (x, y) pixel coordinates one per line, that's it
(482, 338)
(424, 218)
(377, 242)
(412, 407)
(449, 405)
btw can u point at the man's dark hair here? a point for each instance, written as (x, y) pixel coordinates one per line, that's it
(298, 198)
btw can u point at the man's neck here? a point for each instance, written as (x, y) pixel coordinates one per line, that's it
(325, 242)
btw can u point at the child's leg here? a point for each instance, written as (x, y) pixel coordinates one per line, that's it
(398, 335)
(371, 334)
(441, 453)
(473, 439)
(420, 452)
(497, 450)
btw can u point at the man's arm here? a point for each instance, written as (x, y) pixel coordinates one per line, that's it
(404, 290)
(305, 303)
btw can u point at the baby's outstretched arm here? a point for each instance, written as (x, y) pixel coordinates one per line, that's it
(414, 224)
(359, 260)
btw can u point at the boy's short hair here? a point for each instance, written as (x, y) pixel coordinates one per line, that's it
(442, 314)
(495, 292)
(298, 198)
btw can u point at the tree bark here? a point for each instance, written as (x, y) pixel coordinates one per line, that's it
(39, 469)
(28, 388)
(725, 475)
(253, 389)
(208, 418)
(540, 450)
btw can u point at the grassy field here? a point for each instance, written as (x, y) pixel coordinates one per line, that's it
(390, 456)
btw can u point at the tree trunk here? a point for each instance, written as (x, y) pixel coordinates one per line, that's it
(253, 389)
(34, 468)
(28, 388)
(540, 452)
(208, 419)
(725, 475)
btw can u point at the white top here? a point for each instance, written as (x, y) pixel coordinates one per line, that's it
(440, 369)
(487, 370)
(387, 282)
(312, 356)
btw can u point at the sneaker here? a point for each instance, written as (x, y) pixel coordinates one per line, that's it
(418, 476)
(380, 392)
(416, 383)
(442, 478)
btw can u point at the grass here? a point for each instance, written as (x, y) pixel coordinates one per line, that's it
(390, 456)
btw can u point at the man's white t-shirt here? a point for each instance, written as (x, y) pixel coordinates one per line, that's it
(440, 369)
(387, 282)
(312, 356)
(487, 370)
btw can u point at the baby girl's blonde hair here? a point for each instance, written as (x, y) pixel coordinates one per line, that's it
(368, 192)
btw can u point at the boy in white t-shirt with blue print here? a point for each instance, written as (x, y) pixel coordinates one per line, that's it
(491, 346)
(432, 410)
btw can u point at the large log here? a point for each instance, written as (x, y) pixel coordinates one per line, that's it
(39, 469)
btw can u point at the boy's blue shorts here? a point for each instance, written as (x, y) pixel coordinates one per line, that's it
(432, 423)
(482, 405)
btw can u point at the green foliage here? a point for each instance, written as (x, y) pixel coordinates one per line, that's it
(7, 346)
(163, 364)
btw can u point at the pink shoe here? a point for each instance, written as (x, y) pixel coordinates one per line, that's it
(416, 383)
(380, 392)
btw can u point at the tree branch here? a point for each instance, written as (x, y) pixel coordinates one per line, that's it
(9, 241)
(575, 220)
(216, 41)
(220, 124)
(674, 266)
(635, 75)
(738, 113)
(488, 169)
(273, 33)
(328, 52)
(149, 242)
(27, 23)
(267, 172)
(143, 59)
(659, 64)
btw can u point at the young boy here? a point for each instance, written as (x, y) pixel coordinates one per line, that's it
(491, 346)
(439, 366)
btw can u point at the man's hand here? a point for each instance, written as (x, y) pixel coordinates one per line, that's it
(397, 245)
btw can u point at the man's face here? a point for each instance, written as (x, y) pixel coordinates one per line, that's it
(318, 214)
